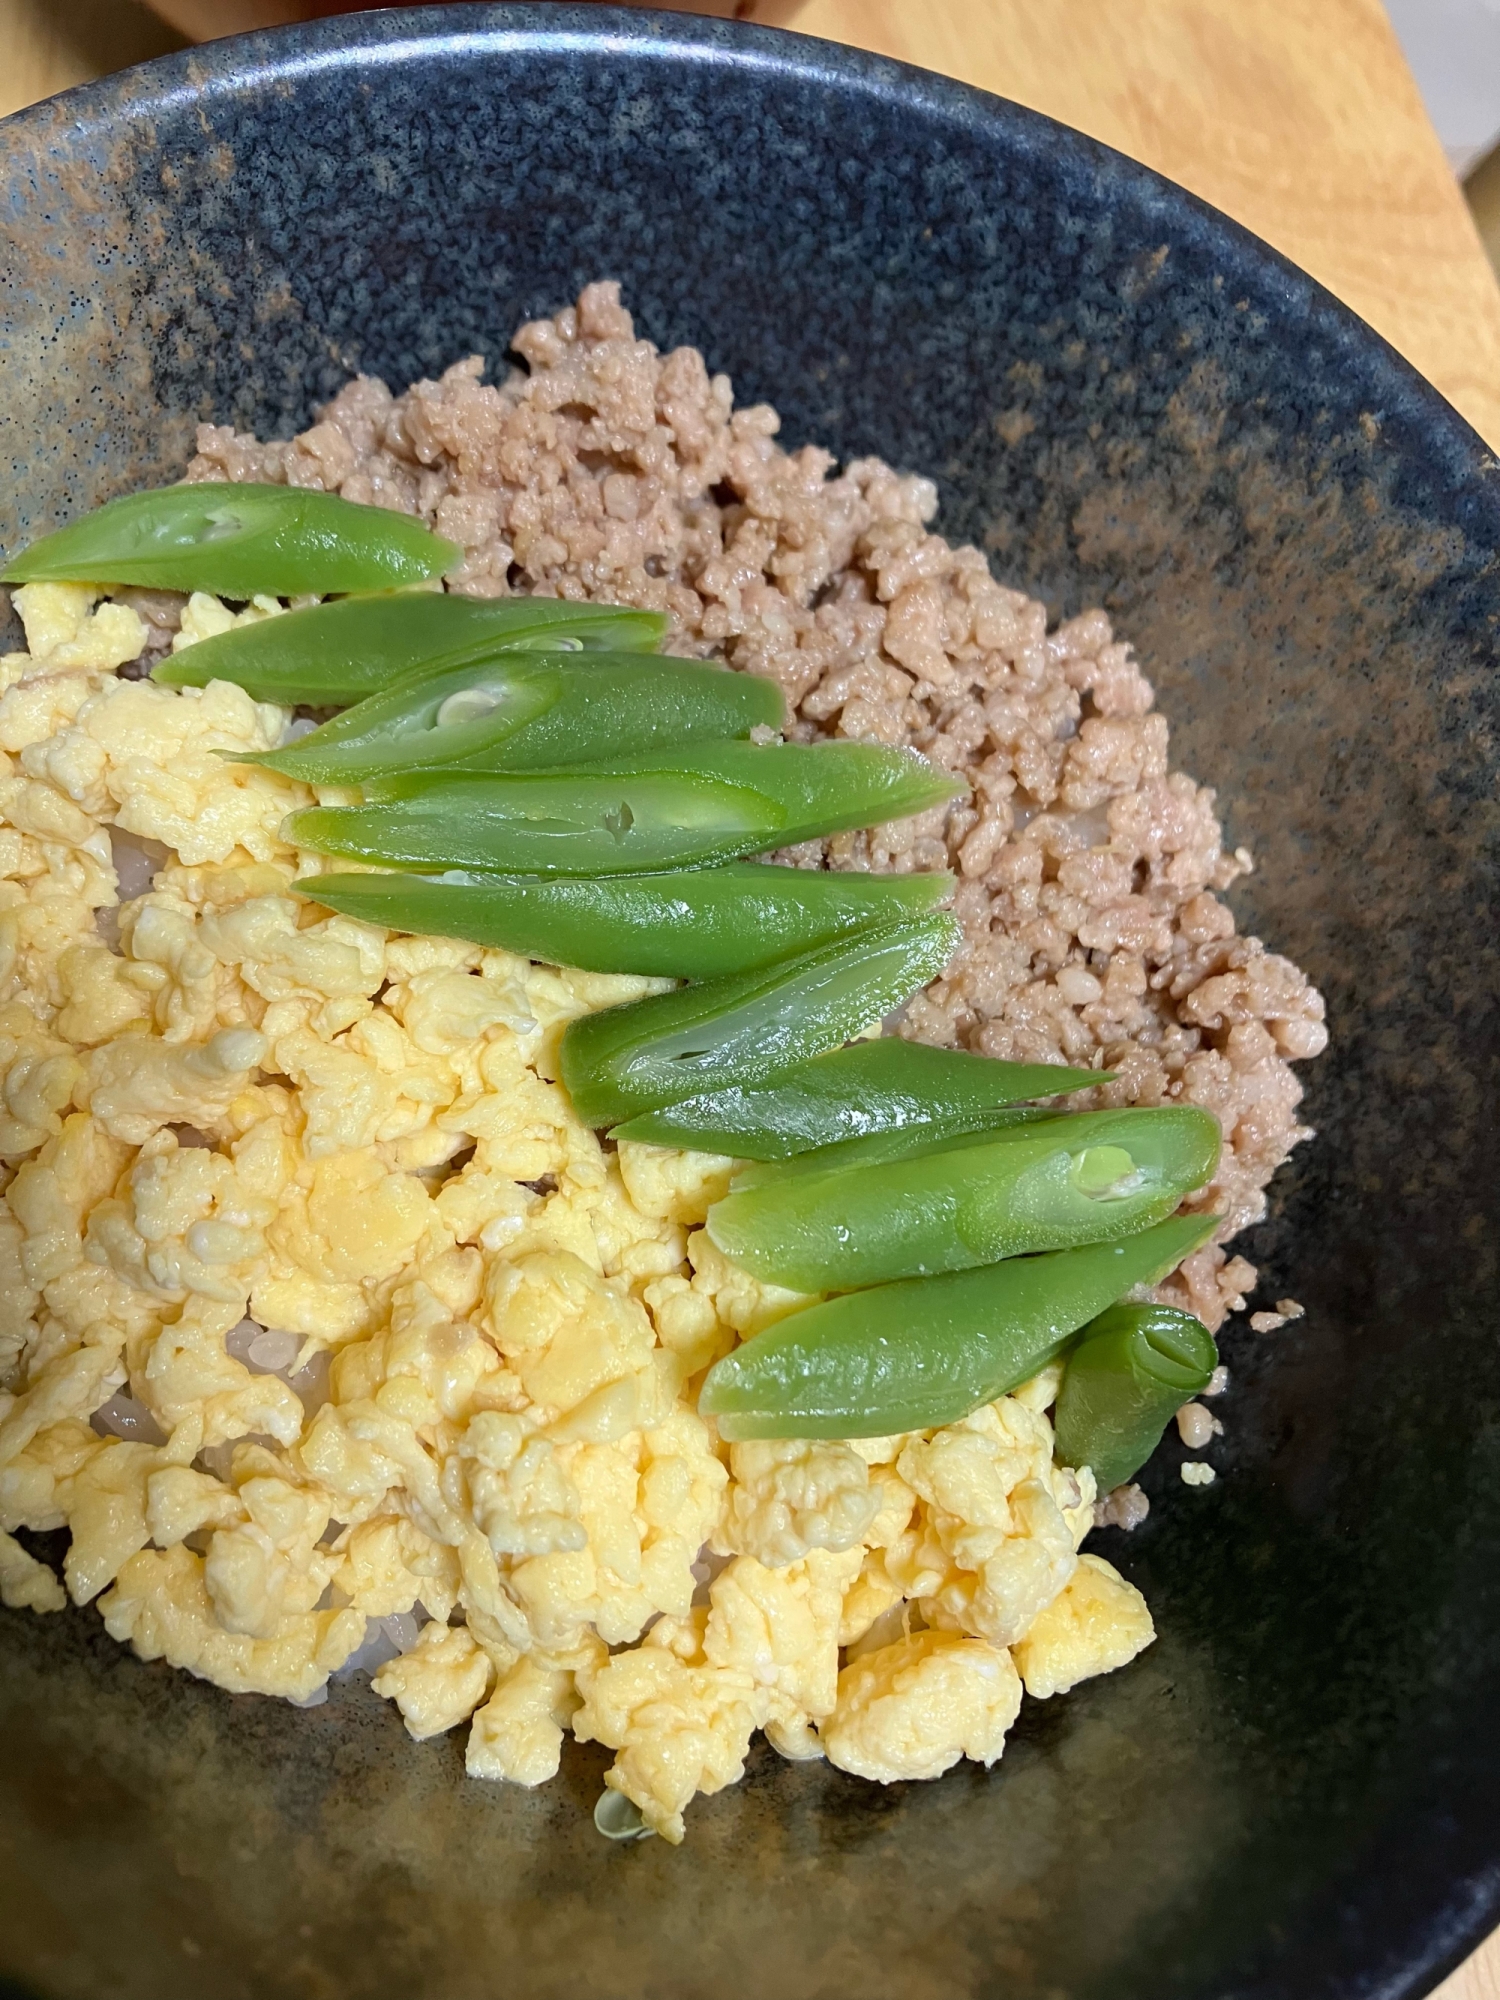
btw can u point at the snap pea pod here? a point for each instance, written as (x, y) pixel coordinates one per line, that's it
(667, 809)
(928, 1351)
(522, 712)
(871, 1087)
(241, 540)
(700, 923)
(879, 1149)
(328, 655)
(1135, 1366)
(1053, 1186)
(749, 1027)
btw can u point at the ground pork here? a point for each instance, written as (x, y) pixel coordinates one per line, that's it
(1090, 874)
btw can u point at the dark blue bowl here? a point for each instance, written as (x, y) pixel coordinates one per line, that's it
(1124, 398)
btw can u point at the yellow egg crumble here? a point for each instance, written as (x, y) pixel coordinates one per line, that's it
(328, 1332)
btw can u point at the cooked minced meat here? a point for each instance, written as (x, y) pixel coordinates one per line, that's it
(1091, 874)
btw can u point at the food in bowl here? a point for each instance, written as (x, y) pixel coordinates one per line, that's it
(337, 1336)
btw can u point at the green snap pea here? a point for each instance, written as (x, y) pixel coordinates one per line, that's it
(578, 824)
(879, 1149)
(749, 1027)
(668, 809)
(619, 1818)
(328, 655)
(870, 1088)
(1133, 1369)
(1064, 1182)
(240, 541)
(521, 712)
(928, 1351)
(700, 923)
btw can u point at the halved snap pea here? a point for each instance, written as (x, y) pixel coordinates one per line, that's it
(522, 712)
(879, 1149)
(667, 809)
(1133, 1369)
(748, 1028)
(701, 923)
(873, 1087)
(239, 540)
(328, 655)
(928, 1351)
(1062, 1182)
(575, 824)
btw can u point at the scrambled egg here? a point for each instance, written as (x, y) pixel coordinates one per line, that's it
(223, 1110)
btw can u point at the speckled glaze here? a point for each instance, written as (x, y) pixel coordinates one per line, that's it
(1296, 1792)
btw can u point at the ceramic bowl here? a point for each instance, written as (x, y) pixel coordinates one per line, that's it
(1126, 399)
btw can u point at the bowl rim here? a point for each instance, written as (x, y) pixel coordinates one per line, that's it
(390, 36)
(1417, 420)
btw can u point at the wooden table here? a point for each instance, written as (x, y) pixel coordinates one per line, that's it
(1301, 121)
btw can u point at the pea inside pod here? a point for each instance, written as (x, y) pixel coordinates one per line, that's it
(1134, 1368)
(239, 540)
(329, 655)
(524, 712)
(1044, 1186)
(928, 1351)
